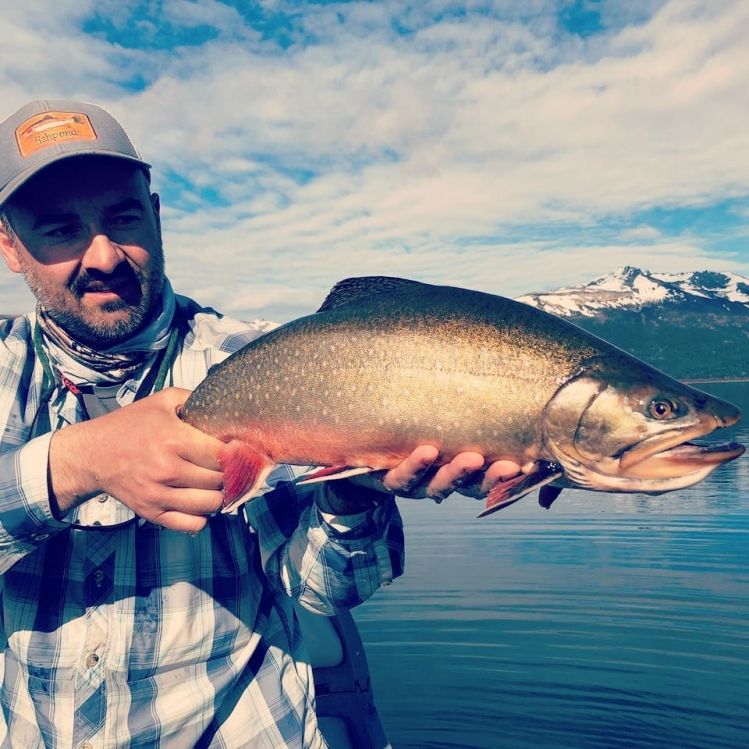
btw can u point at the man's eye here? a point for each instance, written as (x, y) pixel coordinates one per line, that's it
(62, 232)
(126, 219)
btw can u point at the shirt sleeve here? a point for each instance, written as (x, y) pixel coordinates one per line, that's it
(26, 518)
(326, 562)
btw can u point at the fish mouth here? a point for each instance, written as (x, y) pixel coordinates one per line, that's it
(673, 453)
(660, 463)
(659, 443)
(681, 459)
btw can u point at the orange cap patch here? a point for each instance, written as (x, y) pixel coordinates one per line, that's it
(46, 129)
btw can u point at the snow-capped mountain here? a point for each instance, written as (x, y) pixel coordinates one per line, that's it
(630, 288)
(692, 325)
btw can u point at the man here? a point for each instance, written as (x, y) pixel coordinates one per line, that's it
(135, 613)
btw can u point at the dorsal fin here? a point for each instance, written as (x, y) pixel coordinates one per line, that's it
(354, 289)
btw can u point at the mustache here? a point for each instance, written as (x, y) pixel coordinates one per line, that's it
(94, 280)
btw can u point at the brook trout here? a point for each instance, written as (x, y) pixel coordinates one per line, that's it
(388, 364)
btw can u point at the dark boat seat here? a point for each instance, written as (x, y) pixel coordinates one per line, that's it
(345, 704)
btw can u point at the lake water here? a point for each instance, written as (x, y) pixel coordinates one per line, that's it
(607, 621)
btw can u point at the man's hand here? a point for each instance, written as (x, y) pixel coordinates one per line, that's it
(163, 469)
(416, 477)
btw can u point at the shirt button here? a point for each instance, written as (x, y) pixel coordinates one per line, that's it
(92, 660)
(102, 498)
(42, 536)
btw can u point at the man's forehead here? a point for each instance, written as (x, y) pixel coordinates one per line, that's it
(103, 180)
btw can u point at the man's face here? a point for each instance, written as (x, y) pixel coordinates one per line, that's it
(87, 238)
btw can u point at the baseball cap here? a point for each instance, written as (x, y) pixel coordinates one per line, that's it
(43, 132)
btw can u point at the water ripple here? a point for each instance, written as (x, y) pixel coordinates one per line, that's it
(609, 622)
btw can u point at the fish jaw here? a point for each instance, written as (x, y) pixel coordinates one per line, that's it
(675, 468)
(661, 463)
(686, 456)
(662, 442)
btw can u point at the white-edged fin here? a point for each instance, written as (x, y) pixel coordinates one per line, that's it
(506, 493)
(245, 470)
(252, 491)
(332, 473)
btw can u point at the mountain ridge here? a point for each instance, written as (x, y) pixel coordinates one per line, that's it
(692, 325)
(632, 288)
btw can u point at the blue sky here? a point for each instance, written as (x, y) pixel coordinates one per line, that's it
(504, 146)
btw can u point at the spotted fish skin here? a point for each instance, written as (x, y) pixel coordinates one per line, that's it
(388, 364)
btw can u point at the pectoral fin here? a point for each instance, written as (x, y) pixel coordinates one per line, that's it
(245, 471)
(508, 492)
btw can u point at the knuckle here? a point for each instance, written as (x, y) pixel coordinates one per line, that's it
(165, 471)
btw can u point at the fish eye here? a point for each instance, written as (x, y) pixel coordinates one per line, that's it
(662, 408)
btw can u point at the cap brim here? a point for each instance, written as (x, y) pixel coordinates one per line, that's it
(21, 179)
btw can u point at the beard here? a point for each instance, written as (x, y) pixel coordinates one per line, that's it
(114, 321)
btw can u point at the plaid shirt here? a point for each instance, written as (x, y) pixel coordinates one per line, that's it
(142, 636)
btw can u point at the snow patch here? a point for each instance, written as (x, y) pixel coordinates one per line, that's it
(633, 288)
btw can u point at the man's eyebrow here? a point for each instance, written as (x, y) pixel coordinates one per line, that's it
(126, 205)
(54, 218)
(45, 219)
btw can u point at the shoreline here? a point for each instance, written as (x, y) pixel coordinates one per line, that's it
(712, 380)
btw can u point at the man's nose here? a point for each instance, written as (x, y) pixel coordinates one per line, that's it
(103, 254)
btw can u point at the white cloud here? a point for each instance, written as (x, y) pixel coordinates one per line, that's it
(188, 13)
(640, 233)
(431, 154)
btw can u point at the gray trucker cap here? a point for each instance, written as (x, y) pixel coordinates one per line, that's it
(43, 132)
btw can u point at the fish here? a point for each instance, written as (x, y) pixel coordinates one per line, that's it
(387, 364)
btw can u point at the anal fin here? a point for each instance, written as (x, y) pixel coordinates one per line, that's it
(508, 492)
(245, 471)
(331, 473)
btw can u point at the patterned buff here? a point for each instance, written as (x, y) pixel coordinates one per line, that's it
(84, 365)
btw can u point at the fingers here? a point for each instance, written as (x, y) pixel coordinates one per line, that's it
(407, 474)
(450, 476)
(200, 449)
(193, 501)
(196, 447)
(418, 477)
(500, 470)
(191, 476)
(179, 521)
(184, 510)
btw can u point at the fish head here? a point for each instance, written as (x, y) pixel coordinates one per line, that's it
(622, 426)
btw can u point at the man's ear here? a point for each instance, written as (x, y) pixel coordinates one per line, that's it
(156, 205)
(9, 250)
